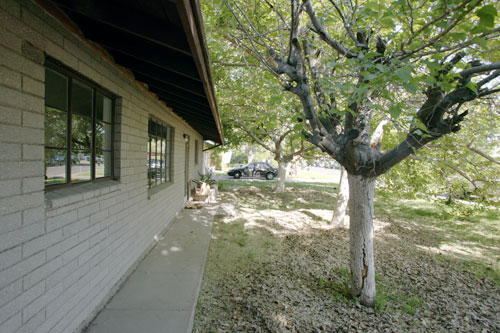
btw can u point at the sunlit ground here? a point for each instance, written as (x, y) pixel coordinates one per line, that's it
(277, 264)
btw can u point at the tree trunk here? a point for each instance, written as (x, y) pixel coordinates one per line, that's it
(361, 191)
(251, 153)
(282, 167)
(340, 218)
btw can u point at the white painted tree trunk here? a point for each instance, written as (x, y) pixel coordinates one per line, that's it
(251, 153)
(282, 168)
(340, 218)
(361, 192)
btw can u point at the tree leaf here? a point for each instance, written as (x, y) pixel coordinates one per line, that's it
(458, 36)
(487, 15)
(395, 111)
(404, 73)
(472, 86)
(410, 87)
(480, 41)
(488, 10)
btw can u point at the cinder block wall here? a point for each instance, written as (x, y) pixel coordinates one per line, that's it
(63, 253)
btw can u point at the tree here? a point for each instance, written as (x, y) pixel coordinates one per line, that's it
(461, 165)
(352, 64)
(261, 116)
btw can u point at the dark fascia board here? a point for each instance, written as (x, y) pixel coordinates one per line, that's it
(190, 15)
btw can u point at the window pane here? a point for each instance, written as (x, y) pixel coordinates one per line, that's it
(55, 166)
(148, 162)
(56, 90)
(103, 164)
(103, 108)
(103, 136)
(196, 152)
(81, 133)
(107, 109)
(81, 99)
(154, 161)
(165, 164)
(55, 128)
(80, 166)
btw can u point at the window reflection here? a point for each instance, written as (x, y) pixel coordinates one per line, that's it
(78, 129)
(55, 166)
(159, 153)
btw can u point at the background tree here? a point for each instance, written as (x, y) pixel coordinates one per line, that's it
(259, 116)
(352, 63)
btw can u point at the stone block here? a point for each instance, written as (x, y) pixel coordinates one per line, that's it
(21, 235)
(10, 115)
(10, 257)
(40, 243)
(9, 77)
(10, 292)
(37, 305)
(35, 184)
(20, 269)
(33, 152)
(33, 120)
(60, 221)
(33, 215)
(21, 169)
(10, 187)
(32, 52)
(9, 151)
(41, 273)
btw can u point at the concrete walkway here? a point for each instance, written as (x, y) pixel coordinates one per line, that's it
(161, 294)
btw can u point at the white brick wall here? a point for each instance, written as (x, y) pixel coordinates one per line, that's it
(63, 253)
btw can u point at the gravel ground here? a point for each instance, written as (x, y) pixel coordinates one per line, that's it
(276, 268)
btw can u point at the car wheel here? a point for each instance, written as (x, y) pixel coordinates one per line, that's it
(237, 175)
(269, 176)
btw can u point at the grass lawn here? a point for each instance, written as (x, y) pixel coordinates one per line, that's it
(277, 265)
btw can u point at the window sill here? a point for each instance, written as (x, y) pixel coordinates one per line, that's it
(153, 190)
(67, 196)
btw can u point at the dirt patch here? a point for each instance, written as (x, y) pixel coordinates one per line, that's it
(276, 265)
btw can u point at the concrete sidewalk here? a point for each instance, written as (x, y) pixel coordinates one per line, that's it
(161, 294)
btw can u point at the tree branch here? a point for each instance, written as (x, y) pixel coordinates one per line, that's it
(324, 35)
(346, 26)
(253, 136)
(457, 170)
(486, 156)
(444, 32)
(479, 69)
(428, 24)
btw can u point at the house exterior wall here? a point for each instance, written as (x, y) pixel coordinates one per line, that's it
(64, 252)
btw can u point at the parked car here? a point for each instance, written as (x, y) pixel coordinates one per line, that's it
(254, 169)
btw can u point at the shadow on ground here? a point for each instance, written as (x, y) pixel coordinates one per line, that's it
(277, 265)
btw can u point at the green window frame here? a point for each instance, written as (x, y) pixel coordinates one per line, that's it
(159, 153)
(79, 125)
(196, 152)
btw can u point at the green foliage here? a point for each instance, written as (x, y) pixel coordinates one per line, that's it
(239, 158)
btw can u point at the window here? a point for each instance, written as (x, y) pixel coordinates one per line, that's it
(78, 128)
(196, 152)
(160, 151)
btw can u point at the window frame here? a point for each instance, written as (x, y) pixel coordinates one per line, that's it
(70, 74)
(196, 152)
(166, 155)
